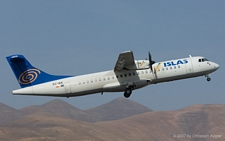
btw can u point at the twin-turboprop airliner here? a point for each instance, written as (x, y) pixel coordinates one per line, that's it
(127, 75)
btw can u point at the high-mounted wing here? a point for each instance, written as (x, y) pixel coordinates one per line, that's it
(125, 61)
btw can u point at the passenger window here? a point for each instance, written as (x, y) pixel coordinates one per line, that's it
(166, 68)
(99, 79)
(116, 76)
(171, 68)
(142, 72)
(129, 74)
(104, 78)
(178, 66)
(133, 73)
(91, 80)
(87, 81)
(112, 77)
(108, 78)
(125, 75)
(121, 75)
(95, 80)
(174, 67)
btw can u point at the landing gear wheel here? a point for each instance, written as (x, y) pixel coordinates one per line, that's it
(127, 93)
(208, 79)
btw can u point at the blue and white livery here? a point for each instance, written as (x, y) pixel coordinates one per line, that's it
(127, 75)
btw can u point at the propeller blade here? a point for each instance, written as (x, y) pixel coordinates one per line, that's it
(151, 62)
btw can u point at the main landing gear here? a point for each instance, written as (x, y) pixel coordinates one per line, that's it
(128, 92)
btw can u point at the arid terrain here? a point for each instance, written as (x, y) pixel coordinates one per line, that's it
(119, 120)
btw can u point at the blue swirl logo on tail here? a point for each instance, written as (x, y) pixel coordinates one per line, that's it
(29, 76)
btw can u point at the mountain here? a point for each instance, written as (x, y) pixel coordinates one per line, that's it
(198, 122)
(117, 109)
(59, 108)
(48, 127)
(55, 121)
(203, 119)
(8, 114)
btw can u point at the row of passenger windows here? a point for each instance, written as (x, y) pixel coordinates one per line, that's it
(125, 75)
(167, 68)
(96, 80)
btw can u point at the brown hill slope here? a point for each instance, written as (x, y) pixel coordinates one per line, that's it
(116, 109)
(59, 108)
(8, 114)
(44, 126)
(184, 124)
(203, 120)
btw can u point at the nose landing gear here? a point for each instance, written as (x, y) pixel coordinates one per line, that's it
(208, 78)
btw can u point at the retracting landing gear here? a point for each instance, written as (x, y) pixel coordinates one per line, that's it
(208, 78)
(128, 92)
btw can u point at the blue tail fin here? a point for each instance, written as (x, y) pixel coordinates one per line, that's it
(26, 74)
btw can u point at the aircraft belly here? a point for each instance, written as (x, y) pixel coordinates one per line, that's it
(85, 89)
(121, 86)
(86, 92)
(179, 77)
(49, 90)
(114, 87)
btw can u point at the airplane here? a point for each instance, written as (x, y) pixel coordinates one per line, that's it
(127, 75)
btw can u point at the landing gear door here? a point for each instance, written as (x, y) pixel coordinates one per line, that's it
(67, 88)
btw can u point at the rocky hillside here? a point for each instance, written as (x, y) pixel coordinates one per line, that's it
(120, 119)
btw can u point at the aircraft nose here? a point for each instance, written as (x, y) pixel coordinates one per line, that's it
(216, 66)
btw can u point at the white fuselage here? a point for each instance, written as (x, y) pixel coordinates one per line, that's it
(116, 81)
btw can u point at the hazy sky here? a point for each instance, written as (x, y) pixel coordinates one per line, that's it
(83, 36)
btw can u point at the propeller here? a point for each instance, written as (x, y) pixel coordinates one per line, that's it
(151, 62)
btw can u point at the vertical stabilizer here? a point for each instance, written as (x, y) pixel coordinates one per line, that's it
(26, 74)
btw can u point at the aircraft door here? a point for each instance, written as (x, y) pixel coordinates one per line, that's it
(189, 66)
(67, 88)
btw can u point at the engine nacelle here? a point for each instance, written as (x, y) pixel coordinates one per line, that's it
(139, 65)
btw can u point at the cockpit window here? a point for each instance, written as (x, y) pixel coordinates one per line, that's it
(203, 60)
